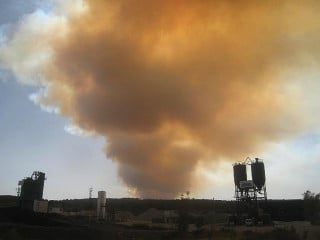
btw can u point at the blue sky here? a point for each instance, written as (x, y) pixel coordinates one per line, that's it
(34, 139)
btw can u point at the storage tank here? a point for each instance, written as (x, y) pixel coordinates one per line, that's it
(239, 173)
(258, 173)
(101, 205)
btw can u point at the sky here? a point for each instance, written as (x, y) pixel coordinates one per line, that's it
(158, 98)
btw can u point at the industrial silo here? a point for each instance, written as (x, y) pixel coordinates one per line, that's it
(239, 173)
(258, 173)
(101, 205)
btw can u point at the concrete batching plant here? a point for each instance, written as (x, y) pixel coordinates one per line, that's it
(249, 191)
(31, 188)
(30, 191)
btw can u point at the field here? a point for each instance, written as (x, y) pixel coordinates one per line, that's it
(56, 228)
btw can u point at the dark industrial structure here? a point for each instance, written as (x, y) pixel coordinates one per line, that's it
(248, 192)
(30, 189)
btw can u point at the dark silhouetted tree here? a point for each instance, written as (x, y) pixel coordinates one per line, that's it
(311, 205)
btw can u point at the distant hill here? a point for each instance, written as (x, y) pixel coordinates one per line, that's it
(285, 210)
(8, 201)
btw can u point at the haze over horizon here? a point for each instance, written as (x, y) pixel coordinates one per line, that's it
(159, 98)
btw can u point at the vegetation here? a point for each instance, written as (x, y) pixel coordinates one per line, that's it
(311, 206)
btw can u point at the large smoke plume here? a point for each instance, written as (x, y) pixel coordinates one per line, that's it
(171, 84)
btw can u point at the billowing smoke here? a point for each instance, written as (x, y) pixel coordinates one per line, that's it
(172, 84)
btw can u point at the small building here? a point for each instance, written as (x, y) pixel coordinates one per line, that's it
(40, 206)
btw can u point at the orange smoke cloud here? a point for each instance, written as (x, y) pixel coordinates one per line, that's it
(174, 83)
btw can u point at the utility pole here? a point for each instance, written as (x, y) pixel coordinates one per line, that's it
(90, 192)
